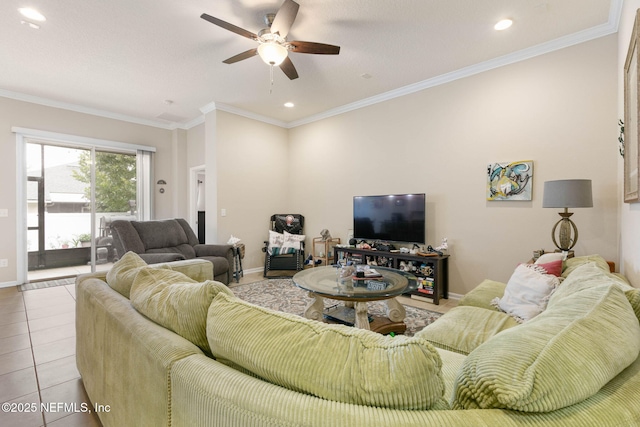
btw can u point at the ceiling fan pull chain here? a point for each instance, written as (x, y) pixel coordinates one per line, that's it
(271, 75)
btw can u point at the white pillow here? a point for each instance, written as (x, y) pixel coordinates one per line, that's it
(550, 257)
(292, 243)
(275, 243)
(527, 292)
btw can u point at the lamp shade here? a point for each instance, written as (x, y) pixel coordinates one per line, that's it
(567, 193)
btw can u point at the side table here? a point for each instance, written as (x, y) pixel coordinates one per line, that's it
(325, 251)
(238, 254)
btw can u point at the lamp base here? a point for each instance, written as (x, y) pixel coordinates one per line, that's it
(567, 232)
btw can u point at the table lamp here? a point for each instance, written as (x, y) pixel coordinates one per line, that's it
(566, 193)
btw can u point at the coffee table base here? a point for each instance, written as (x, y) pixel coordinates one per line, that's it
(354, 313)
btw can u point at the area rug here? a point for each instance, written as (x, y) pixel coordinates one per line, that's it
(283, 295)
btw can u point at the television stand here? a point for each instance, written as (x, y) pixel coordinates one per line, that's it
(432, 271)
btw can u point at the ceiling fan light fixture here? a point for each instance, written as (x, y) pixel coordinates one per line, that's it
(272, 53)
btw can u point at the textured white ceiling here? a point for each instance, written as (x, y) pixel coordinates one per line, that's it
(124, 58)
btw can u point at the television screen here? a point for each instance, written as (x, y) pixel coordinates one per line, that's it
(391, 218)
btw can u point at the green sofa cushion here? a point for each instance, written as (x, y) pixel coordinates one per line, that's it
(121, 275)
(176, 302)
(561, 357)
(590, 273)
(462, 329)
(334, 362)
(482, 295)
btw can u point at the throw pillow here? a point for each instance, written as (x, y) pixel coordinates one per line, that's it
(550, 257)
(551, 267)
(121, 275)
(563, 356)
(292, 243)
(176, 302)
(275, 243)
(333, 362)
(527, 292)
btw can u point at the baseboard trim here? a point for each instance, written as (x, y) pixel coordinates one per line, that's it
(8, 284)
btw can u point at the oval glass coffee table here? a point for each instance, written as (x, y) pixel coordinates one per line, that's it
(324, 282)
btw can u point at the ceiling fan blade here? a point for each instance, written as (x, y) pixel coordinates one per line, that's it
(288, 68)
(230, 27)
(285, 17)
(239, 57)
(317, 48)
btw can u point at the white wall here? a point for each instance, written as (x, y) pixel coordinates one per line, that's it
(629, 230)
(33, 116)
(558, 110)
(254, 181)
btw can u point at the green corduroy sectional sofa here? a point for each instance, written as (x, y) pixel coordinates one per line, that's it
(164, 345)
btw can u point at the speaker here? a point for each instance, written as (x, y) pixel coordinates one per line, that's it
(353, 242)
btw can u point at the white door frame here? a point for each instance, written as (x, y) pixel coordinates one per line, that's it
(193, 194)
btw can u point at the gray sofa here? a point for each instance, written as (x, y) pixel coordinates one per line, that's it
(170, 240)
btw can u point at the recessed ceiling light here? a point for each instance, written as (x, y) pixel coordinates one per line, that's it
(27, 12)
(289, 104)
(503, 24)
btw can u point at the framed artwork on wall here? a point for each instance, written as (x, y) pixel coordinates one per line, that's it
(631, 129)
(510, 181)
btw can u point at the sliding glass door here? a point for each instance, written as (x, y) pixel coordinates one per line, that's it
(73, 195)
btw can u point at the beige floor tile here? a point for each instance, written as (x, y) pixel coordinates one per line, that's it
(12, 304)
(28, 416)
(72, 290)
(70, 392)
(57, 372)
(55, 350)
(14, 343)
(12, 317)
(53, 321)
(50, 335)
(49, 301)
(44, 294)
(17, 384)
(54, 310)
(9, 292)
(13, 329)
(15, 361)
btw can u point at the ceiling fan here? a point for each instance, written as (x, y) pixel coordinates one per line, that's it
(273, 46)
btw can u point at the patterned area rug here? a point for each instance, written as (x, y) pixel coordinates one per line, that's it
(283, 295)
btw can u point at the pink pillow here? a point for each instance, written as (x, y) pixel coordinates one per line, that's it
(553, 267)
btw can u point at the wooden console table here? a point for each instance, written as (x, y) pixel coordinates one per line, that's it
(435, 270)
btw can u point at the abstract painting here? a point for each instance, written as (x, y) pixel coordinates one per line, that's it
(510, 181)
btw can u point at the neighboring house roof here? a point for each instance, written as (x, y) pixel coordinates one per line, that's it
(60, 186)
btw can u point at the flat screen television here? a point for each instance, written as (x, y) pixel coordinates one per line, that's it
(390, 218)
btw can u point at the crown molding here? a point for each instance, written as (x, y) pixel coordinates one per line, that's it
(250, 115)
(611, 27)
(81, 109)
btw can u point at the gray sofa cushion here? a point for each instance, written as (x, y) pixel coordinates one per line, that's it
(160, 234)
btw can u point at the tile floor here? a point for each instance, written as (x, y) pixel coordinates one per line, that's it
(37, 356)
